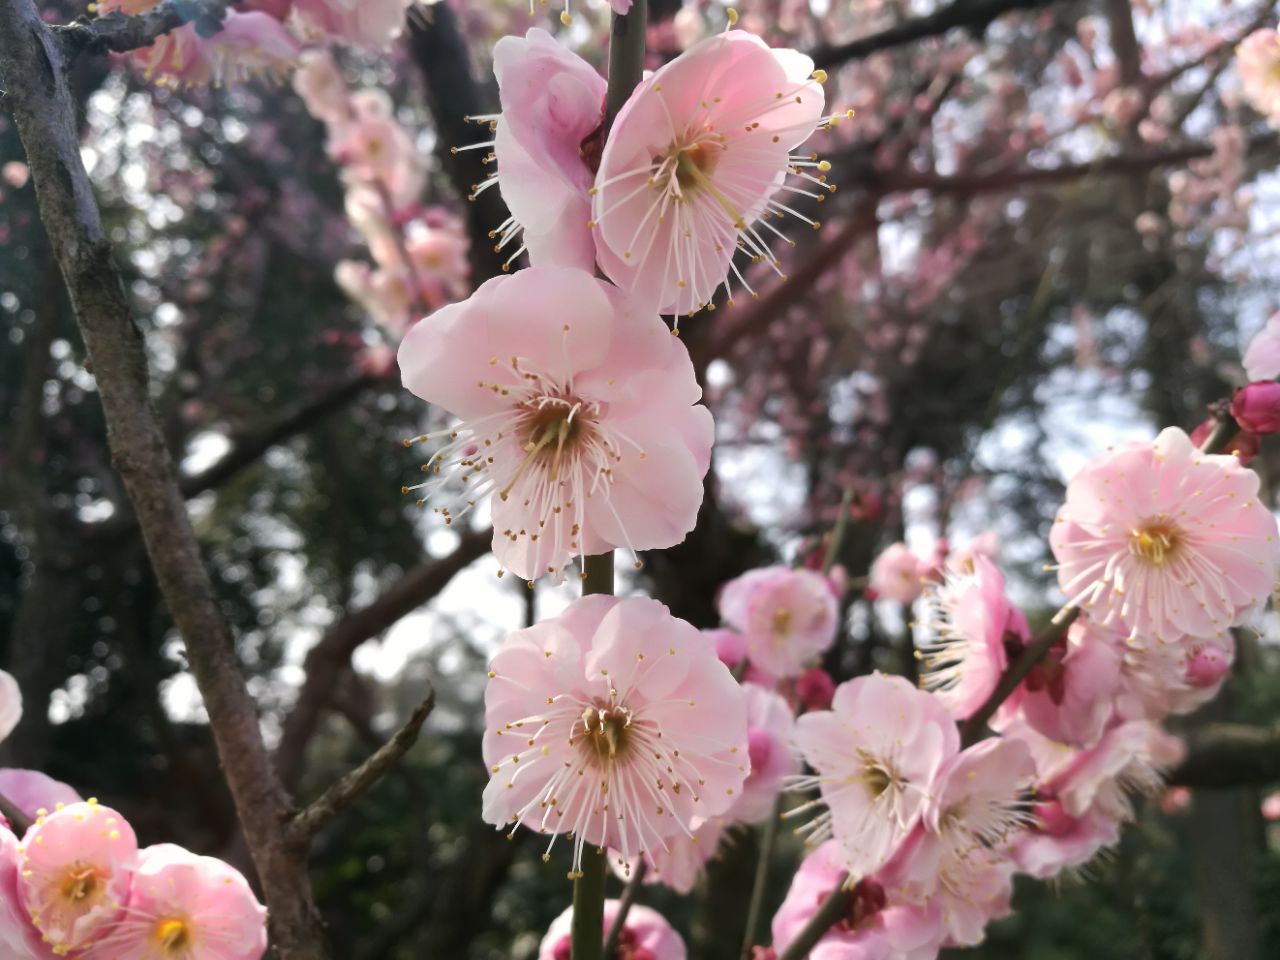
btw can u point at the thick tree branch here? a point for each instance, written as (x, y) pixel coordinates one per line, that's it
(326, 661)
(972, 15)
(119, 32)
(249, 447)
(339, 797)
(18, 821)
(34, 78)
(1223, 755)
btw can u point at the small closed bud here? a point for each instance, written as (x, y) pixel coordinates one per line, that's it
(1207, 666)
(1257, 407)
(815, 689)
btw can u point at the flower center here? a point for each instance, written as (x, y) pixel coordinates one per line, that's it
(80, 884)
(696, 164)
(173, 935)
(783, 621)
(1155, 541)
(607, 731)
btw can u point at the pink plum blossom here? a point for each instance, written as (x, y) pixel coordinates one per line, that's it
(1258, 63)
(730, 645)
(15, 173)
(788, 617)
(876, 754)
(613, 722)
(1068, 696)
(966, 625)
(646, 935)
(682, 862)
(879, 926)
(695, 159)
(1271, 807)
(770, 726)
(898, 574)
(19, 939)
(181, 905)
(74, 873)
(1256, 407)
(368, 24)
(815, 689)
(248, 43)
(374, 149)
(577, 412)
(320, 84)
(32, 791)
(552, 102)
(1163, 540)
(1262, 356)
(1162, 678)
(1058, 841)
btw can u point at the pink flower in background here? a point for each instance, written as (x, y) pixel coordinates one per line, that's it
(369, 24)
(32, 791)
(879, 927)
(1163, 540)
(320, 84)
(374, 149)
(1258, 63)
(1068, 696)
(682, 862)
(646, 936)
(1262, 356)
(770, 726)
(966, 625)
(10, 704)
(1271, 807)
(15, 173)
(552, 102)
(730, 646)
(898, 574)
(695, 159)
(613, 722)
(788, 617)
(386, 295)
(876, 754)
(1256, 408)
(578, 414)
(815, 689)
(181, 905)
(74, 873)
(249, 43)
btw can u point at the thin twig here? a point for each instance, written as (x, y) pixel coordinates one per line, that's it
(18, 821)
(339, 797)
(119, 32)
(834, 909)
(625, 902)
(1031, 654)
(758, 885)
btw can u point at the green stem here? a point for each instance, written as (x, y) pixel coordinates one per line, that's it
(588, 907)
(626, 58)
(839, 532)
(767, 836)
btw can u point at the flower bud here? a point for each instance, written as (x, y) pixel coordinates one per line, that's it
(1207, 666)
(815, 689)
(1244, 445)
(1257, 407)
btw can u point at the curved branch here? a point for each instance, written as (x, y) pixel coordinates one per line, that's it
(119, 32)
(35, 77)
(326, 661)
(316, 815)
(972, 15)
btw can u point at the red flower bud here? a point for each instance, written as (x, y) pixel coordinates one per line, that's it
(1257, 407)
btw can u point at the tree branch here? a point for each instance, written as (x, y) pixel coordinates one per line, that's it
(972, 15)
(34, 76)
(1223, 755)
(327, 659)
(119, 32)
(1032, 653)
(18, 821)
(308, 822)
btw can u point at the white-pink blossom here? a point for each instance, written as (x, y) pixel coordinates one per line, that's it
(787, 616)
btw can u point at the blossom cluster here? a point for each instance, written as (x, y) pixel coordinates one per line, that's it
(76, 883)
(259, 37)
(576, 407)
(419, 253)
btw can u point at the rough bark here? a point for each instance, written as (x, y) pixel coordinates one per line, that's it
(35, 79)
